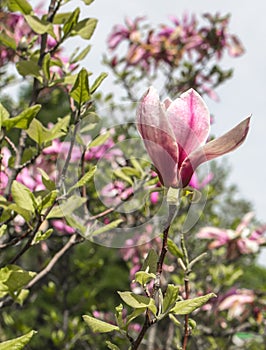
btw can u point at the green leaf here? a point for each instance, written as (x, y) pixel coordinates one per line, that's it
(84, 180)
(138, 301)
(107, 227)
(98, 82)
(150, 263)
(23, 120)
(4, 115)
(99, 140)
(62, 18)
(136, 313)
(185, 307)
(40, 26)
(41, 135)
(170, 297)
(23, 196)
(173, 249)
(119, 316)
(8, 41)
(80, 91)
(67, 207)
(119, 173)
(81, 55)
(143, 277)
(48, 183)
(85, 28)
(3, 230)
(29, 67)
(41, 236)
(17, 343)
(47, 201)
(21, 6)
(98, 326)
(26, 214)
(111, 345)
(71, 21)
(87, 2)
(13, 278)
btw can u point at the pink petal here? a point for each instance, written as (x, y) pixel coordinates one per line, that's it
(213, 149)
(158, 137)
(190, 120)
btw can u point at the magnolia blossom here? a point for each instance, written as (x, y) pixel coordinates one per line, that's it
(242, 240)
(175, 135)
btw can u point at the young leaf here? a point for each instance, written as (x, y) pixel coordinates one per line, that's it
(40, 26)
(150, 263)
(71, 21)
(8, 41)
(25, 213)
(67, 207)
(21, 6)
(47, 201)
(119, 173)
(80, 91)
(99, 140)
(111, 345)
(87, 2)
(85, 28)
(17, 343)
(13, 278)
(98, 82)
(48, 183)
(84, 180)
(119, 316)
(29, 67)
(23, 120)
(41, 236)
(79, 57)
(4, 115)
(185, 307)
(136, 313)
(173, 249)
(107, 227)
(170, 297)
(3, 230)
(62, 18)
(138, 301)
(143, 277)
(98, 326)
(23, 196)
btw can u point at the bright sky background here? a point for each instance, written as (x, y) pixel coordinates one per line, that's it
(245, 93)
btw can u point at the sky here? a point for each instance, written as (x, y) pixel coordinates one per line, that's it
(240, 96)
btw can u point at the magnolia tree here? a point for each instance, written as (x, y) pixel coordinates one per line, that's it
(82, 175)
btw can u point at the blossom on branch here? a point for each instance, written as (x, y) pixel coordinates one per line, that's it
(175, 135)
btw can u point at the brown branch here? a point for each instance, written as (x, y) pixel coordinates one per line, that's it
(72, 241)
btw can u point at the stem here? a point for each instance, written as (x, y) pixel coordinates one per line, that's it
(187, 291)
(149, 320)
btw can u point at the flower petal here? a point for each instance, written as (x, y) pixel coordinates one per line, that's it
(213, 149)
(190, 120)
(158, 137)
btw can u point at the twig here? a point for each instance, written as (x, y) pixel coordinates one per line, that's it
(72, 241)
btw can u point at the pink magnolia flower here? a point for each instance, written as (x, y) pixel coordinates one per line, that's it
(237, 303)
(175, 135)
(243, 240)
